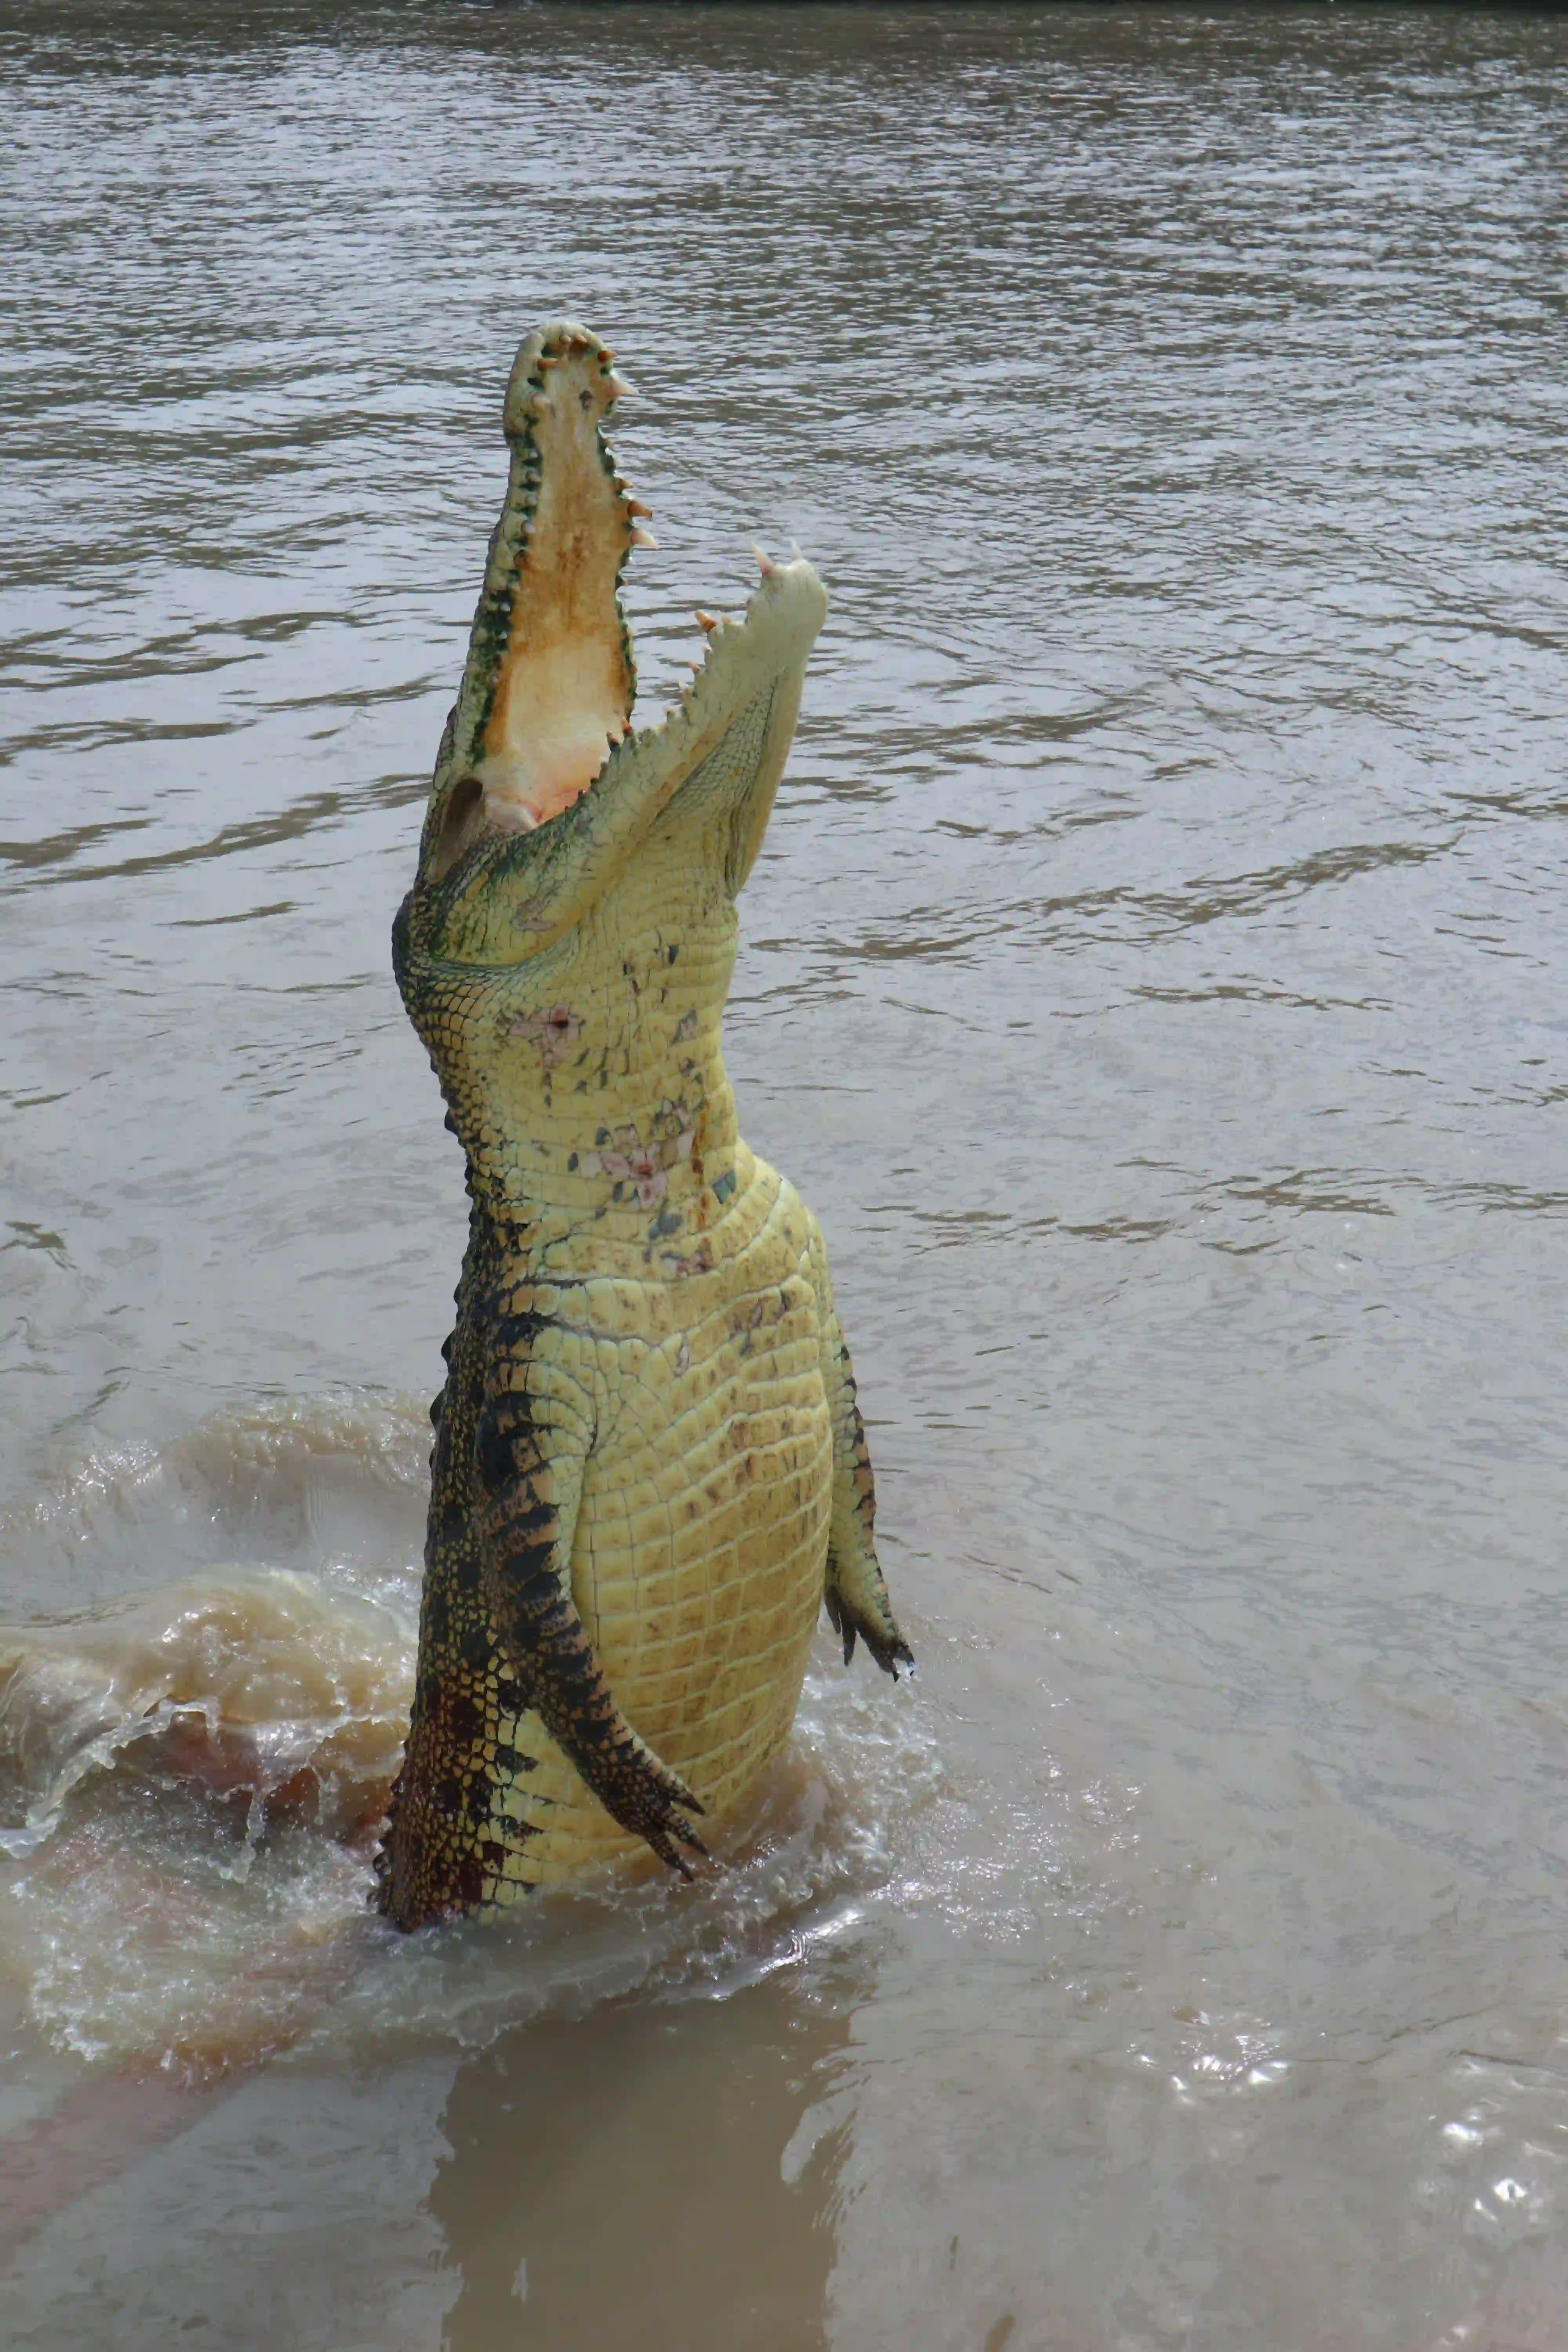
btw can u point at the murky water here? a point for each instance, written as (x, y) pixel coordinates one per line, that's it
(1155, 978)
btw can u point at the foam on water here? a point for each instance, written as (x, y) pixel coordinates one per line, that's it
(191, 1777)
(268, 1688)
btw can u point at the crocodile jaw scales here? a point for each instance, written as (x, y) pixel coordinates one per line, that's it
(649, 1471)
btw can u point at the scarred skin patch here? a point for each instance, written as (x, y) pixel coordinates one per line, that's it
(554, 1028)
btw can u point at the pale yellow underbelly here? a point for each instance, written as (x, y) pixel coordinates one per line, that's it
(701, 1545)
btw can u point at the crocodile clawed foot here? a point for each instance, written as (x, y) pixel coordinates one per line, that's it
(886, 1644)
(645, 1797)
(890, 1655)
(668, 1853)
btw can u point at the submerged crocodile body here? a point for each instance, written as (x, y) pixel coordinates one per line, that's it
(649, 1471)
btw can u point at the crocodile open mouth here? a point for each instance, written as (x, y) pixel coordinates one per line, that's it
(548, 694)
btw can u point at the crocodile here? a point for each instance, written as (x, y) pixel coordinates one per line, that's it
(649, 1472)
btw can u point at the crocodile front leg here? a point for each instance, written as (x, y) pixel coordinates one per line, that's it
(529, 1466)
(501, 1642)
(854, 1593)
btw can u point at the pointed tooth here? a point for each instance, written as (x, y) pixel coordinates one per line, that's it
(619, 388)
(794, 554)
(765, 563)
(549, 359)
(635, 507)
(644, 539)
(709, 621)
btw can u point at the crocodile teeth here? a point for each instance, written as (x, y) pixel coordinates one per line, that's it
(644, 539)
(619, 389)
(765, 563)
(710, 621)
(635, 507)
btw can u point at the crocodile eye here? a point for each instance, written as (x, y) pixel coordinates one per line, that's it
(585, 399)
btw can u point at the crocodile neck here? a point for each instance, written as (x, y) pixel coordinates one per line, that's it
(606, 1103)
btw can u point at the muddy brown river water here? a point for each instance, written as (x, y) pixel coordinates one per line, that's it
(1155, 980)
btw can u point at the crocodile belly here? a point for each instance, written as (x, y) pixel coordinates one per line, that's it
(701, 1539)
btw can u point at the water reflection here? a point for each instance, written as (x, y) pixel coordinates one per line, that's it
(665, 2179)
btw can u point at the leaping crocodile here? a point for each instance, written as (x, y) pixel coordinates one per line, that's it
(649, 1471)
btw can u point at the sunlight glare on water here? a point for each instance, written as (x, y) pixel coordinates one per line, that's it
(1154, 978)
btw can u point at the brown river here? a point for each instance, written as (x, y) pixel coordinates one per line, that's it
(1155, 976)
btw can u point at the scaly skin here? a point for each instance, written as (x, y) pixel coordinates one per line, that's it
(649, 1469)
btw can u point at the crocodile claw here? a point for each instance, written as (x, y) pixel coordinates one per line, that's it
(661, 1842)
(887, 1646)
(642, 1795)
